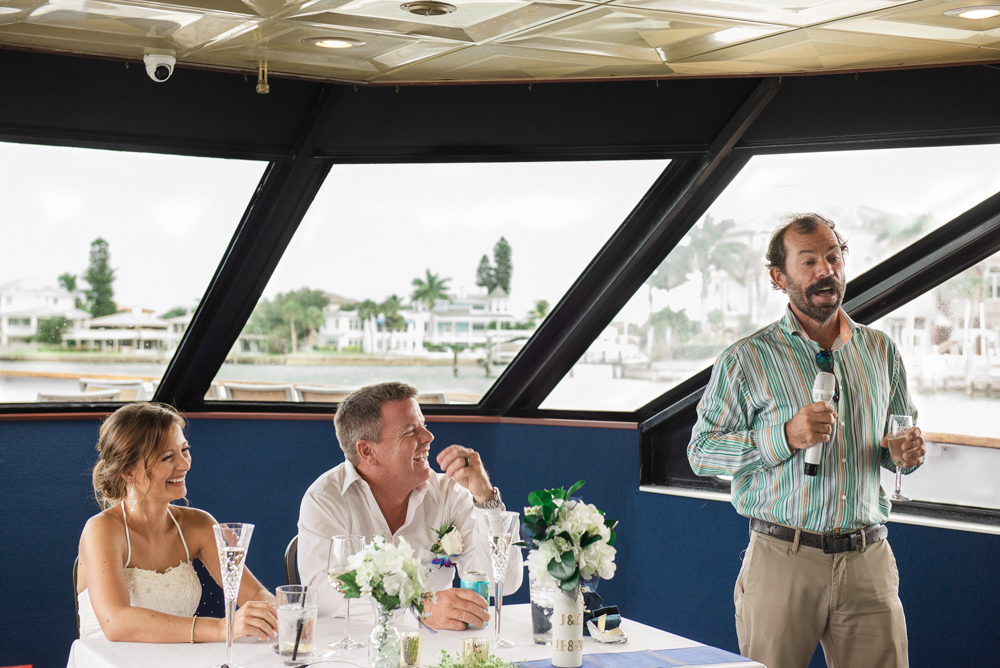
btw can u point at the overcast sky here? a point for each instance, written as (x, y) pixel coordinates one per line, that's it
(372, 229)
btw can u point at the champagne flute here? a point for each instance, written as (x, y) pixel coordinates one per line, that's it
(342, 547)
(502, 525)
(899, 425)
(232, 541)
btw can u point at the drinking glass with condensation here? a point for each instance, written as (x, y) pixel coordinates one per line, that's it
(297, 608)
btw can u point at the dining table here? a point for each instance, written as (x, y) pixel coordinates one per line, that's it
(649, 647)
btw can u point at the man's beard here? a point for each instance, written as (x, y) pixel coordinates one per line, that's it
(819, 313)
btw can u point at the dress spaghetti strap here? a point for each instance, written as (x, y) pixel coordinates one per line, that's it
(127, 539)
(186, 553)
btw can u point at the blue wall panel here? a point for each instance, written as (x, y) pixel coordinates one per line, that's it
(678, 557)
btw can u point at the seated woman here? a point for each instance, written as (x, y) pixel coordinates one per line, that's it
(136, 580)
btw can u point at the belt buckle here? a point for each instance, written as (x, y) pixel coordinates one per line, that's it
(836, 543)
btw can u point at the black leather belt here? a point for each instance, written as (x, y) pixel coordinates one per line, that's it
(830, 543)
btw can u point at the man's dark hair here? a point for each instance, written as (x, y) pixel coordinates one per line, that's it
(803, 223)
(359, 416)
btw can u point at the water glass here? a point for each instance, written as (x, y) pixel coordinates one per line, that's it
(297, 608)
(542, 602)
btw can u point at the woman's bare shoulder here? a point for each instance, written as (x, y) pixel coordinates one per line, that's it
(193, 518)
(106, 527)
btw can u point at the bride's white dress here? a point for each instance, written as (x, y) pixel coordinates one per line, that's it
(174, 592)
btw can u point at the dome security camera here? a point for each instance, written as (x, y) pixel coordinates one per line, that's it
(159, 66)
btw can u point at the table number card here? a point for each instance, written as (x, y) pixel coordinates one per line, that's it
(567, 629)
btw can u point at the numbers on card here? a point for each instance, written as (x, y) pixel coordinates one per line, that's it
(569, 645)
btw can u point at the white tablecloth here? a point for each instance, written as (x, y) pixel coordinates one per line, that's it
(515, 626)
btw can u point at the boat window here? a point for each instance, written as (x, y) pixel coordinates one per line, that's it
(105, 255)
(435, 275)
(947, 338)
(713, 288)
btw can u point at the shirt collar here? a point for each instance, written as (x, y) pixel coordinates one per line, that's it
(352, 476)
(792, 324)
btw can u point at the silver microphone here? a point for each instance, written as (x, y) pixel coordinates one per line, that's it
(823, 390)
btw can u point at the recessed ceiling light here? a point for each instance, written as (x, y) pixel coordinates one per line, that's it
(975, 13)
(428, 8)
(333, 42)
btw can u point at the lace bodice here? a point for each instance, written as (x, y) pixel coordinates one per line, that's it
(177, 591)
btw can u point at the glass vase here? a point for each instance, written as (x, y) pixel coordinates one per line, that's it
(383, 645)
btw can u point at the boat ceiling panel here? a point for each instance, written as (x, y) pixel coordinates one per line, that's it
(399, 42)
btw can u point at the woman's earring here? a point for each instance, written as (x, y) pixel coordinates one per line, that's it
(132, 501)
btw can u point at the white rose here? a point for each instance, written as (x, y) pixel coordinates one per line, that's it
(452, 543)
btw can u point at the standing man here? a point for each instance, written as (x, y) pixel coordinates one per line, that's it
(818, 567)
(386, 487)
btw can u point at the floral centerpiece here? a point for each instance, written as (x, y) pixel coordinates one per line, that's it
(394, 579)
(568, 540)
(449, 545)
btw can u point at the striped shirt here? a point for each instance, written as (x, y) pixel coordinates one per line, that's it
(760, 383)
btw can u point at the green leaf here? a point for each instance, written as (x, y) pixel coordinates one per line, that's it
(349, 585)
(611, 541)
(588, 539)
(570, 583)
(539, 498)
(388, 602)
(577, 485)
(563, 566)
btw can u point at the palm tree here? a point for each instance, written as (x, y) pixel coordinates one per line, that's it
(394, 322)
(368, 311)
(291, 311)
(709, 248)
(428, 292)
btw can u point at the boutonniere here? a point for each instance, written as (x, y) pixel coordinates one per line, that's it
(449, 545)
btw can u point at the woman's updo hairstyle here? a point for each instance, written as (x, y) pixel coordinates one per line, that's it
(134, 433)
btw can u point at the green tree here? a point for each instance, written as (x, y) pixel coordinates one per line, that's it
(101, 277)
(503, 268)
(51, 330)
(709, 249)
(289, 317)
(68, 281)
(428, 291)
(540, 313)
(175, 312)
(486, 275)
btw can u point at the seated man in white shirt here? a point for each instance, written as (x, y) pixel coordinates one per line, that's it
(386, 487)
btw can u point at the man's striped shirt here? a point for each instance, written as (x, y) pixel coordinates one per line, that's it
(760, 383)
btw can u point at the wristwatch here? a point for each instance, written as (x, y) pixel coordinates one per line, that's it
(493, 504)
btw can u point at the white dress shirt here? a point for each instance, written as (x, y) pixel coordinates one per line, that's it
(341, 502)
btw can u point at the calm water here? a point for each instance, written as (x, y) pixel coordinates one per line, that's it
(470, 380)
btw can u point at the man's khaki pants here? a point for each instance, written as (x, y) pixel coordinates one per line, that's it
(790, 597)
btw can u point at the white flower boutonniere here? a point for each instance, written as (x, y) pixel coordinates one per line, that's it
(450, 544)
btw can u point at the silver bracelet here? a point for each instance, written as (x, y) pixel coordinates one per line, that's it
(193, 620)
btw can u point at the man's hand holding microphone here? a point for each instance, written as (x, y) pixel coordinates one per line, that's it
(812, 426)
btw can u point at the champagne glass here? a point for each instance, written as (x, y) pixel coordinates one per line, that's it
(899, 425)
(502, 525)
(232, 540)
(342, 547)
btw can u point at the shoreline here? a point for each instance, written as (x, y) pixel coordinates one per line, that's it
(269, 360)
